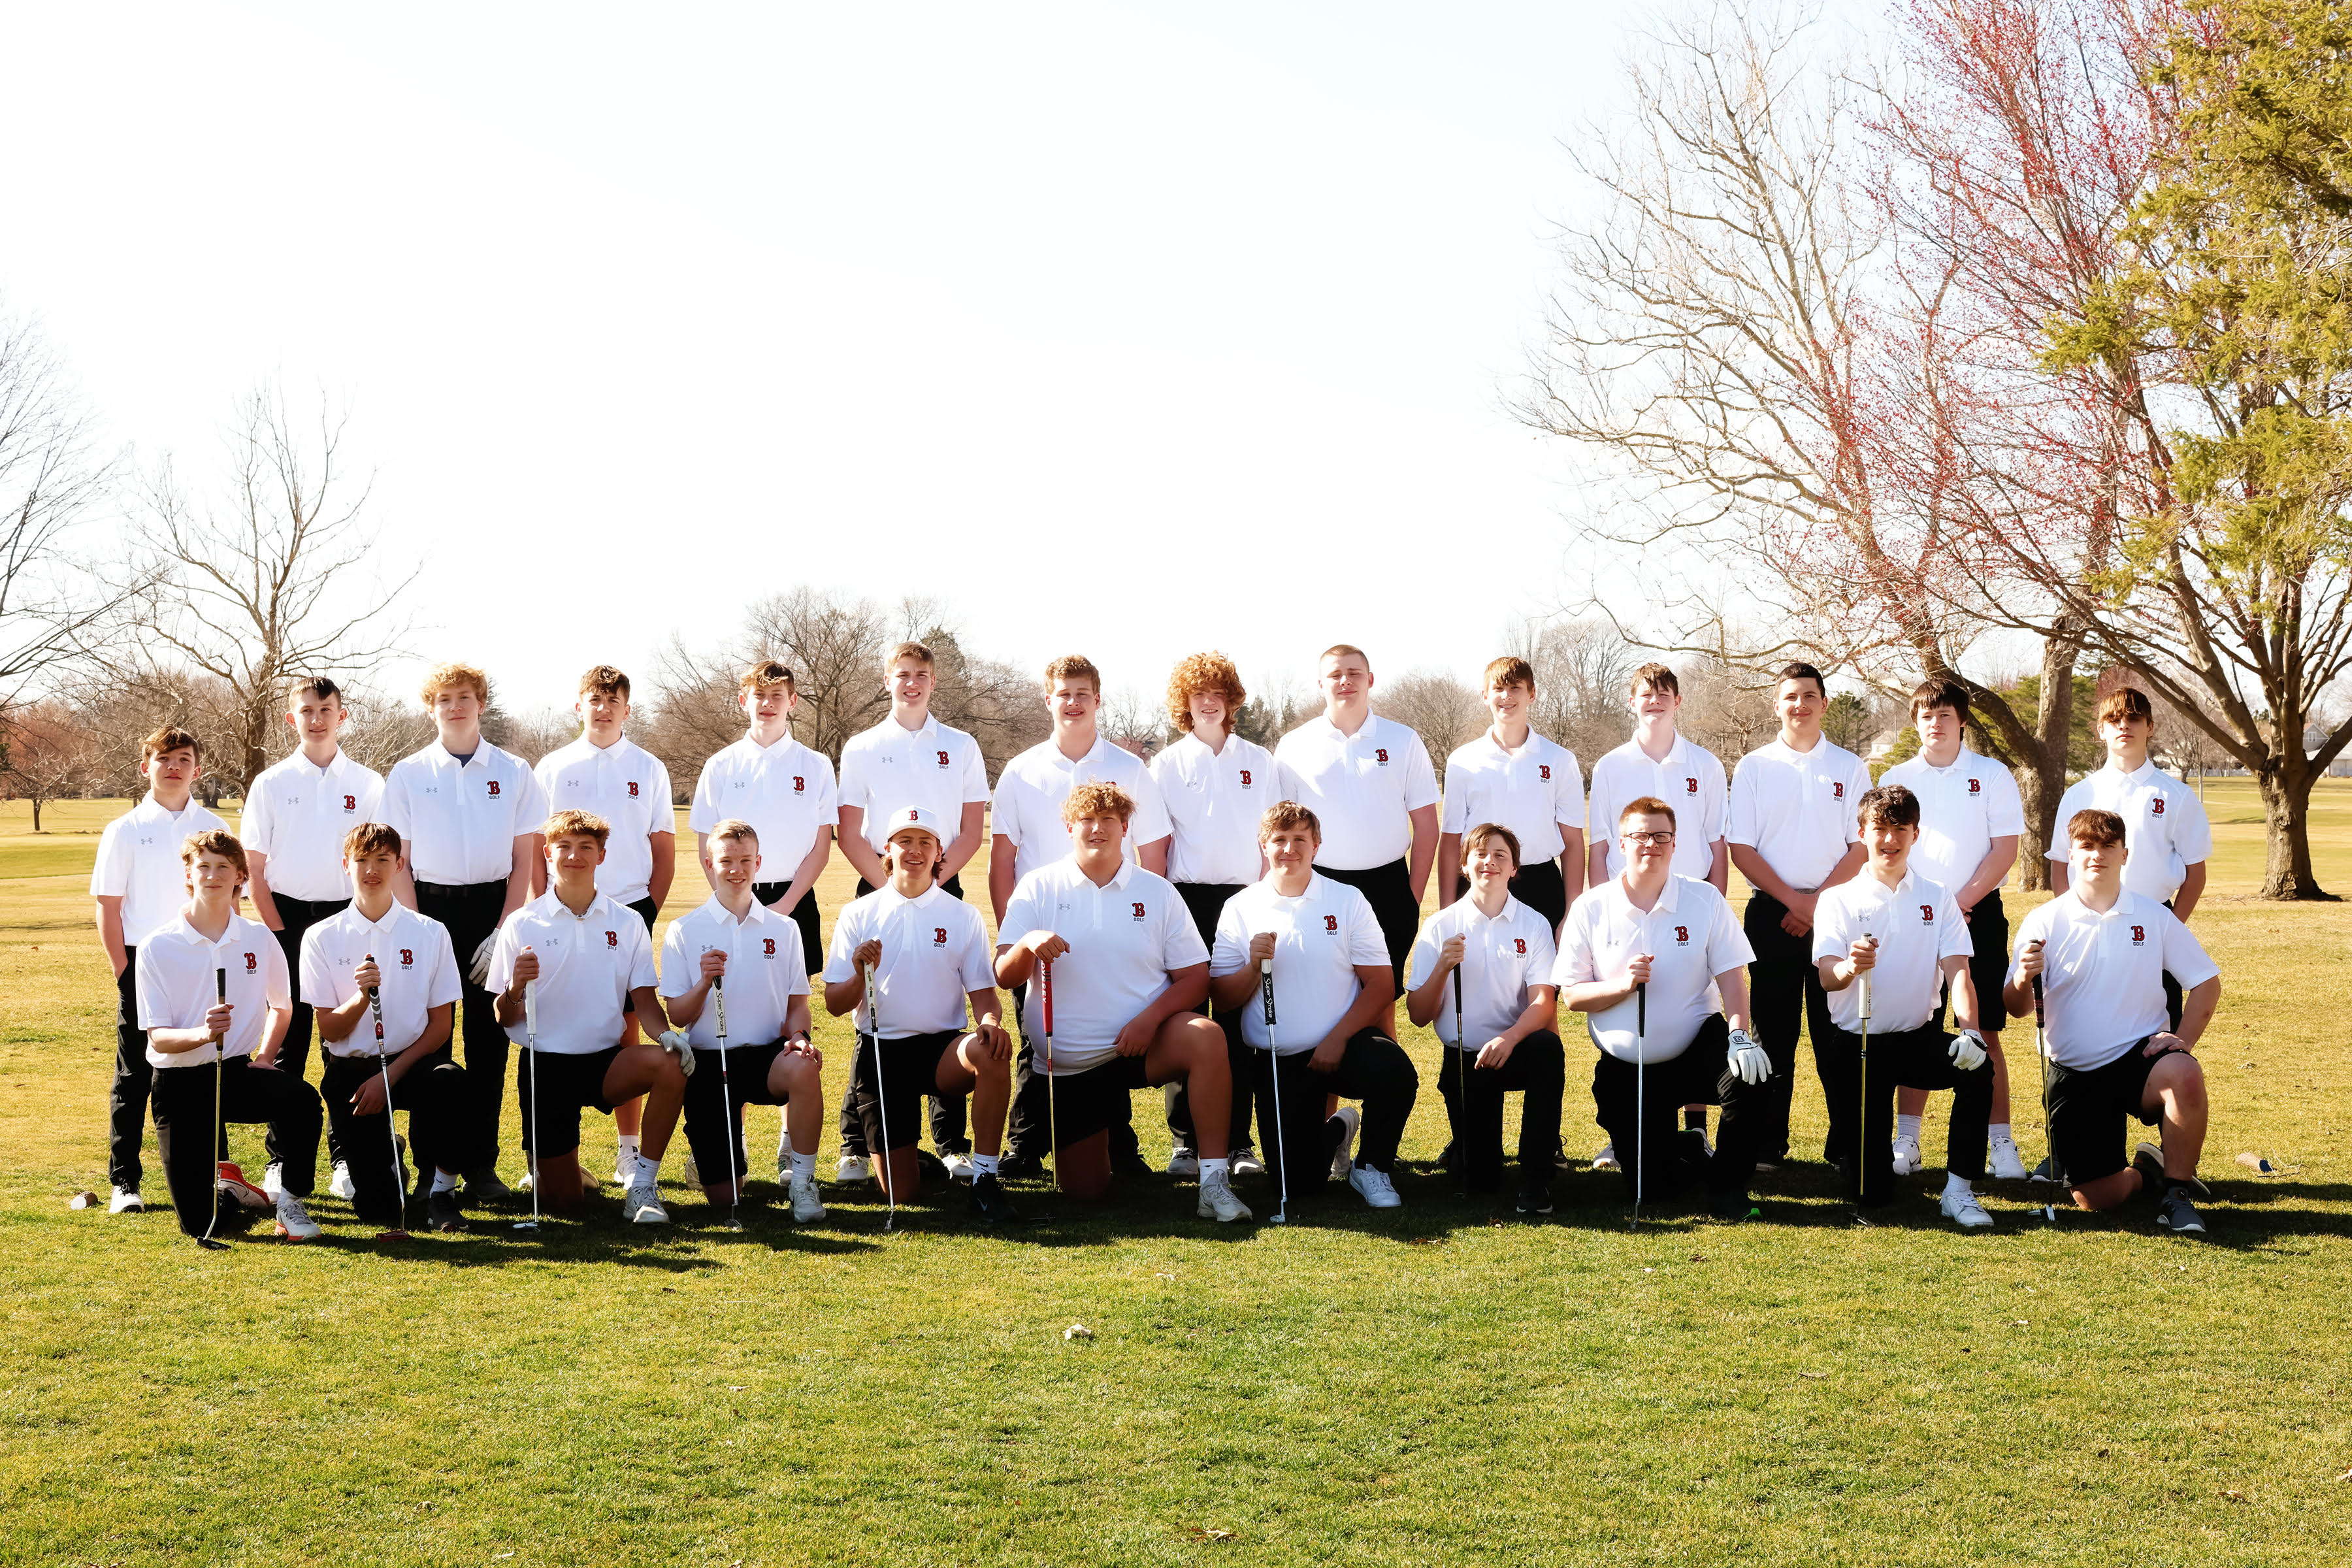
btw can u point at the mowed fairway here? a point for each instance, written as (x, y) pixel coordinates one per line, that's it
(1444, 1385)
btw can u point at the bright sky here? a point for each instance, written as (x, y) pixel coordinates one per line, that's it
(1127, 332)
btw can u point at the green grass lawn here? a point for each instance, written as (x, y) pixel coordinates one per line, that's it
(1444, 1385)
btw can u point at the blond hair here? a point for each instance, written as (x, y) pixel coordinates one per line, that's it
(1098, 799)
(442, 676)
(1200, 672)
(572, 822)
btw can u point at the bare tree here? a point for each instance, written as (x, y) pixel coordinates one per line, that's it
(263, 584)
(1582, 670)
(1441, 708)
(51, 755)
(1133, 723)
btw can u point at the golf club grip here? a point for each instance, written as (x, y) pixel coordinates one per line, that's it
(531, 1009)
(220, 985)
(2037, 1001)
(719, 1004)
(1640, 1006)
(1046, 991)
(1266, 992)
(1461, 1029)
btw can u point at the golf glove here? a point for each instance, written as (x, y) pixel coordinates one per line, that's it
(479, 971)
(675, 1040)
(1747, 1058)
(1967, 1050)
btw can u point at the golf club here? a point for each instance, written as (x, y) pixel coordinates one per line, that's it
(726, 1104)
(1861, 1114)
(530, 1061)
(1461, 1090)
(1273, 1066)
(2041, 1060)
(215, 1132)
(1641, 1076)
(887, 1172)
(1053, 1109)
(399, 1184)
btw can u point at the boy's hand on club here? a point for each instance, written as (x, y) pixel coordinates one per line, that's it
(217, 1018)
(1261, 948)
(2028, 960)
(1449, 955)
(367, 976)
(525, 967)
(1862, 957)
(1637, 969)
(869, 955)
(714, 963)
(1044, 946)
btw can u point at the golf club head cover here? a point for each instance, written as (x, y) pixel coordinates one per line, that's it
(1967, 1050)
(479, 970)
(1747, 1058)
(675, 1040)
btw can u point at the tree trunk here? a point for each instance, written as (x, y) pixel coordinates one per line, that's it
(2286, 829)
(37, 814)
(2042, 784)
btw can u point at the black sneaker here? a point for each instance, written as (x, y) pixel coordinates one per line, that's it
(1692, 1148)
(2148, 1160)
(1536, 1198)
(2174, 1212)
(2047, 1173)
(1130, 1163)
(932, 1167)
(988, 1203)
(441, 1211)
(1445, 1158)
(1021, 1167)
(1731, 1208)
(484, 1187)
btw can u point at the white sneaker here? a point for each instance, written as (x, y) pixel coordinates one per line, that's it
(1343, 1158)
(2008, 1164)
(1963, 1210)
(126, 1200)
(294, 1222)
(531, 1179)
(853, 1168)
(1607, 1159)
(273, 1181)
(1218, 1202)
(640, 1205)
(1907, 1157)
(1183, 1162)
(1378, 1191)
(693, 1172)
(339, 1181)
(624, 1167)
(958, 1165)
(1247, 1163)
(806, 1209)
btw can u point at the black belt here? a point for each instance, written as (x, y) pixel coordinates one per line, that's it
(464, 889)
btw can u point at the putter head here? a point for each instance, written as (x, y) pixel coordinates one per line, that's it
(209, 1245)
(525, 1225)
(393, 1235)
(1278, 1218)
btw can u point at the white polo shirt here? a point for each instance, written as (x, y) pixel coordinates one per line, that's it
(1962, 809)
(460, 822)
(1320, 940)
(176, 985)
(2103, 974)
(1691, 936)
(1503, 960)
(2165, 826)
(1917, 924)
(1033, 786)
(138, 862)
(934, 955)
(588, 964)
(1797, 808)
(891, 767)
(296, 815)
(1690, 780)
(628, 787)
(420, 973)
(1125, 938)
(1531, 792)
(784, 791)
(1363, 788)
(1214, 801)
(765, 971)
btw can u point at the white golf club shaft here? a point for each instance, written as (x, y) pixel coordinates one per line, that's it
(383, 1068)
(727, 1106)
(531, 1060)
(1862, 1095)
(882, 1102)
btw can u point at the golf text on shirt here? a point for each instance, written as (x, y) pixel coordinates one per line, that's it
(2103, 974)
(934, 954)
(413, 954)
(460, 822)
(1503, 960)
(588, 964)
(1962, 809)
(1797, 808)
(1033, 786)
(295, 814)
(784, 791)
(1532, 791)
(1125, 938)
(1690, 780)
(1691, 936)
(628, 787)
(138, 862)
(1214, 801)
(1918, 925)
(177, 985)
(1320, 938)
(2165, 828)
(1363, 788)
(765, 971)
(890, 767)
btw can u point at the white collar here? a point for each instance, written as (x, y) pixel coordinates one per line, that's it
(717, 912)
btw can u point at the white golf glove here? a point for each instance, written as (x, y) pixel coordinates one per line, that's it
(1967, 1050)
(479, 971)
(1747, 1058)
(675, 1040)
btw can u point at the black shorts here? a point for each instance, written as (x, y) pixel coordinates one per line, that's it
(708, 1092)
(910, 1069)
(1389, 890)
(802, 914)
(1092, 1101)
(2087, 1107)
(1989, 968)
(564, 1085)
(1205, 902)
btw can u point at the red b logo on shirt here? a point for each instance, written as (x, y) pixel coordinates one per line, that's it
(407, 958)
(800, 785)
(494, 789)
(2156, 807)
(768, 947)
(939, 936)
(1520, 943)
(1380, 754)
(1976, 786)
(1690, 785)
(1682, 936)
(1545, 769)
(2139, 935)
(943, 758)
(1837, 792)
(612, 939)
(252, 963)
(351, 803)
(1330, 922)
(1245, 784)
(1139, 910)
(1926, 914)
(633, 789)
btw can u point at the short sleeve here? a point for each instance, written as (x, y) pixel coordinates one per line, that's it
(1740, 826)
(664, 814)
(1454, 816)
(1858, 785)
(1231, 950)
(532, 811)
(1367, 947)
(2068, 805)
(1004, 812)
(1568, 792)
(972, 966)
(2185, 958)
(2033, 928)
(544, 772)
(1422, 961)
(846, 938)
(1830, 928)
(1151, 824)
(1574, 965)
(975, 774)
(1181, 946)
(641, 961)
(279, 987)
(1420, 776)
(828, 803)
(1718, 808)
(396, 815)
(110, 875)
(1024, 912)
(155, 1001)
(1543, 955)
(371, 799)
(1727, 944)
(445, 987)
(796, 982)
(2006, 813)
(503, 952)
(851, 789)
(2192, 834)
(255, 829)
(674, 963)
(317, 984)
(1952, 939)
(703, 814)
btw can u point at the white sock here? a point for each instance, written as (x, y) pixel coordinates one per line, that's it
(1999, 1133)
(1221, 1167)
(1907, 1127)
(442, 1182)
(803, 1166)
(648, 1168)
(1956, 1185)
(784, 1143)
(983, 1165)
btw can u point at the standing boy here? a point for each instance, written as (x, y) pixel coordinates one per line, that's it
(783, 790)
(139, 885)
(1513, 778)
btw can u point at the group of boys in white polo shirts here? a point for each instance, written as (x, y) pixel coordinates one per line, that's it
(1158, 893)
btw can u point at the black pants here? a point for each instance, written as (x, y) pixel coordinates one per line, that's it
(1389, 890)
(471, 914)
(1646, 1144)
(1538, 1067)
(294, 1056)
(1374, 1071)
(435, 1094)
(189, 1141)
(1205, 901)
(1784, 992)
(950, 1116)
(1538, 885)
(1029, 1127)
(126, 1102)
(1915, 1058)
